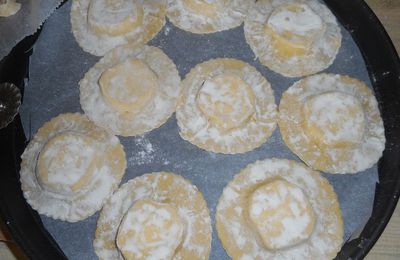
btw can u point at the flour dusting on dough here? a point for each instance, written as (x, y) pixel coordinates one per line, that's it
(78, 205)
(154, 112)
(362, 153)
(321, 50)
(241, 240)
(153, 19)
(223, 14)
(162, 187)
(251, 133)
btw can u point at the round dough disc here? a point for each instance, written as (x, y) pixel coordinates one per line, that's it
(241, 240)
(87, 200)
(151, 20)
(205, 16)
(10, 7)
(332, 159)
(156, 110)
(197, 129)
(160, 187)
(321, 51)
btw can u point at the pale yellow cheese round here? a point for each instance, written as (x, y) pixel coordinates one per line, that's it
(67, 162)
(226, 106)
(128, 86)
(150, 230)
(226, 100)
(70, 167)
(131, 90)
(332, 122)
(207, 16)
(293, 38)
(101, 25)
(114, 17)
(279, 209)
(10, 7)
(281, 214)
(293, 28)
(334, 119)
(154, 216)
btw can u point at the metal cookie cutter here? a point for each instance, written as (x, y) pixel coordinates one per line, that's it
(10, 101)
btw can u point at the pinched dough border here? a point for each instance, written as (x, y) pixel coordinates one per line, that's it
(239, 238)
(153, 114)
(89, 41)
(334, 160)
(232, 15)
(194, 126)
(161, 187)
(87, 201)
(323, 51)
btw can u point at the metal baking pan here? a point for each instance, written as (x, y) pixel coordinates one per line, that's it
(37, 235)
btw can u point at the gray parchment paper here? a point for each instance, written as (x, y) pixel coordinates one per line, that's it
(58, 64)
(26, 22)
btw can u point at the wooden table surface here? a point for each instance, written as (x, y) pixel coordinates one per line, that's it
(388, 245)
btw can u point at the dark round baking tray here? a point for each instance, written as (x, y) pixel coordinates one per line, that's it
(383, 66)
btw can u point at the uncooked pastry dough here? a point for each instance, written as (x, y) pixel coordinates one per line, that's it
(207, 16)
(332, 122)
(279, 209)
(150, 229)
(10, 7)
(154, 216)
(71, 167)
(281, 214)
(293, 37)
(101, 25)
(227, 106)
(131, 90)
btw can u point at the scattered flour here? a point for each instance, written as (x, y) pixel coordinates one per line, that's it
(167, 30)
(144, 154)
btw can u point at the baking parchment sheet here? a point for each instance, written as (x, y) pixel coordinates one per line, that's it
(25, 22)
(57, 65)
